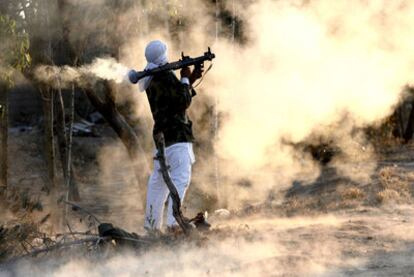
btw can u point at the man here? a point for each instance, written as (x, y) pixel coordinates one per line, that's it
(169, 98)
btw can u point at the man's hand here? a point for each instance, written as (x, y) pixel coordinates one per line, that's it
(185, 72)
(192, 76)
(197, 73)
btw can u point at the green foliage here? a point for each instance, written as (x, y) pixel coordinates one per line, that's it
(14, 49)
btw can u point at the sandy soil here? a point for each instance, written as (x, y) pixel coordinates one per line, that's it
(331, 227)
(362, 242)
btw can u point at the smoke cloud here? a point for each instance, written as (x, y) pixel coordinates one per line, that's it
(308, 67)
(62, 77)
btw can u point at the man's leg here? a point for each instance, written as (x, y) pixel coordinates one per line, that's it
(157, 193)
(180, 170)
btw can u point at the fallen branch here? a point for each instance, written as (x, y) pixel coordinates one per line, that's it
(57, 246)
(175, 197)
(77, 207)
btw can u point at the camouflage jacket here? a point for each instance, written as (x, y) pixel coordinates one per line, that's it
(169, 100)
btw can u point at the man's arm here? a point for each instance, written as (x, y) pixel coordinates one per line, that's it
(190, 77)
(180, 94)
(182, 90)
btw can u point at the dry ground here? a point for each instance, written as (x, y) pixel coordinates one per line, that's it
(362, 242)
(331, 227)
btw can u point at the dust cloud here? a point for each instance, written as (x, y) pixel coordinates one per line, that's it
(308, 68)
(241, 251)
(65, 76)
(357, 243)
(309, 65)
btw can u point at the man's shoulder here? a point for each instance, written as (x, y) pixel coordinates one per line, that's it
(162, 82)
(166, 76)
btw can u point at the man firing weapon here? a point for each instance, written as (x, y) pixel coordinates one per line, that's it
(169, 99)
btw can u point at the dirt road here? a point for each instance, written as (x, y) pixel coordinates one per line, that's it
(362, 242)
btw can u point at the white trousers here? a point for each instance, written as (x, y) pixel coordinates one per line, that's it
(180, 158)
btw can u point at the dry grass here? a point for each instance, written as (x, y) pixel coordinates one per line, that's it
(387, 196)
(391, 178)
(301, 205)
(16, 238)
(352, 193)
(394, 186)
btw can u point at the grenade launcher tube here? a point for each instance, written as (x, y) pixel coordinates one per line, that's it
(135, 76)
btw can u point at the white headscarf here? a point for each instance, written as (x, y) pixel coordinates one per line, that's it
(156, 55)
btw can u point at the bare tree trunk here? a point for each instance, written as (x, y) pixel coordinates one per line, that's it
(65, 145)
(124, 131)
(73, 191)
(400, 121)
(61, 132)
(408, 133)
(216, 116)
(106, 106)
(233, 24)
(3, 7)
(3, 136)
(111, 114)
(65, 55)
(49, 137)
